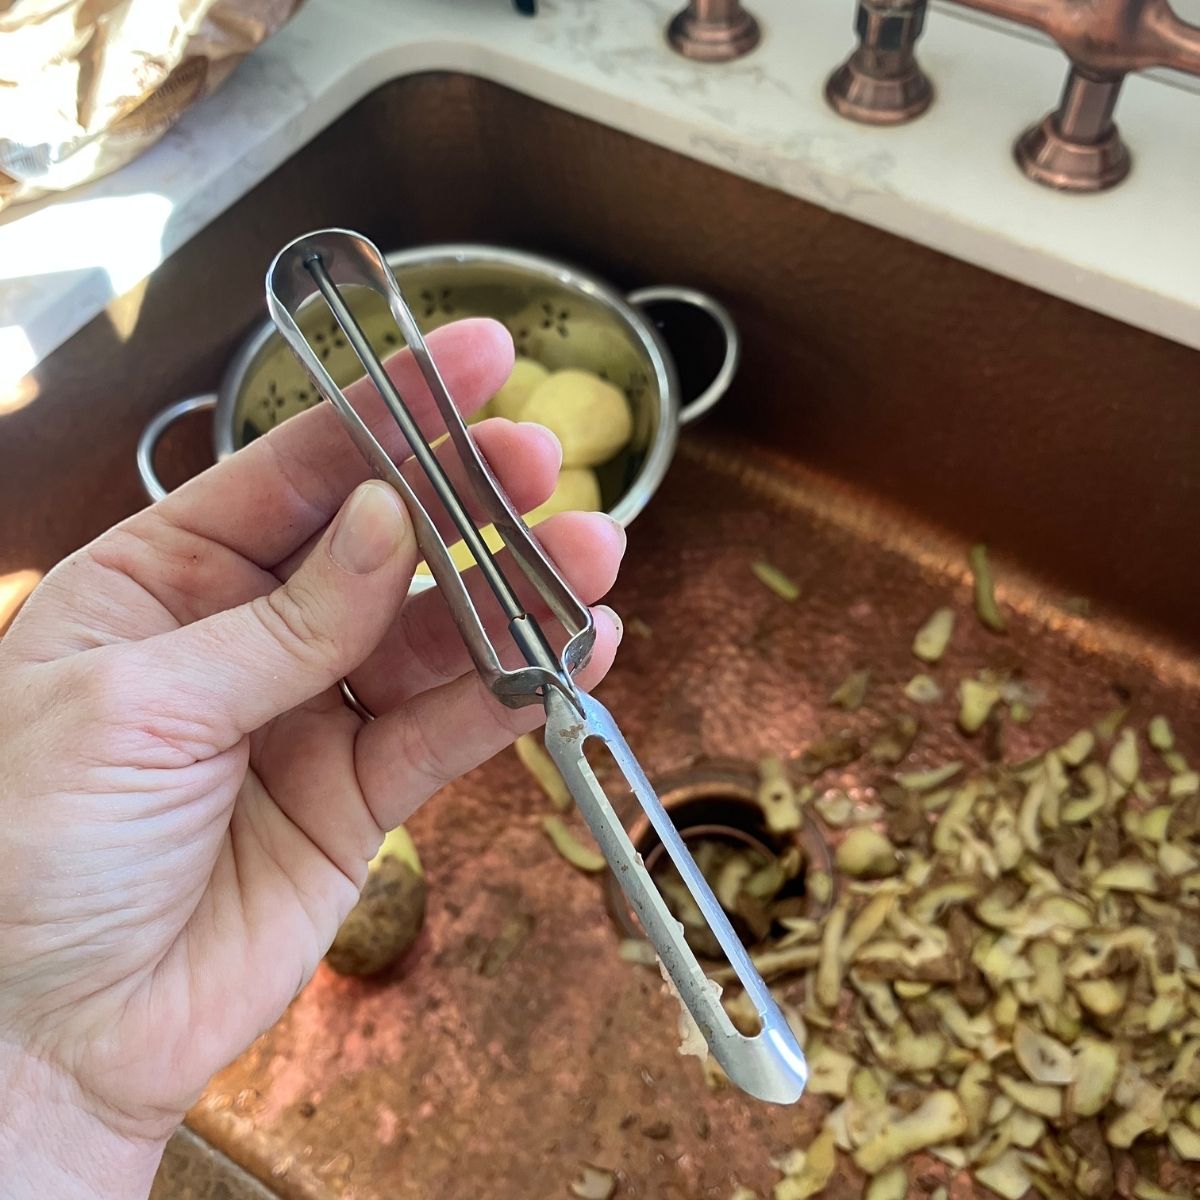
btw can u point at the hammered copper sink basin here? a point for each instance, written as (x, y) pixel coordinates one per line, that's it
(893, 406)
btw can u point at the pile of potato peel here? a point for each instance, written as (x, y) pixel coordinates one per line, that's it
(1001, 978)
(1009, 978)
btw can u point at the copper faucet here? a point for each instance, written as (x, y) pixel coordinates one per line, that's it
(713, 30)
(1074, 148)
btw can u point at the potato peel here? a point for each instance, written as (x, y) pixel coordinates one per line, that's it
(1036, 1098)
(866, 854)
(829, 966)
(581, 857)
(1094, 1077)
(1033, 944)
(820, 1159)
(1006, 1175)
(939, 1118)
(891, 1184)
(540, 765)
(1042, 1058)
(777, 797)
(986, 607)
(934, 636)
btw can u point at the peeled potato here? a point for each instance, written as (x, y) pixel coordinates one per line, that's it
(388, 916)
(521, 383)
(460, 552)
(589, 343)
(577, 490)
(589, 417)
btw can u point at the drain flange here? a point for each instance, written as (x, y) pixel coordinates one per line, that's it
(716, 801)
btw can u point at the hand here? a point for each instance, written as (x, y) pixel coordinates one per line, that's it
(187, 807)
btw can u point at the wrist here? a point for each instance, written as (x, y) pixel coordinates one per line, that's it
(53, 1143)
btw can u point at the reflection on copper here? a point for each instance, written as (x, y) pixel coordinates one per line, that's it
(15, 588)
(1076, 147)
(713, 30)
(17, 394)
(881, 82)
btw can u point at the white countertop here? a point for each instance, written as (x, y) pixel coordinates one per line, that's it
(946, 180)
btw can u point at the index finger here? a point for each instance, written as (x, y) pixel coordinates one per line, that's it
(269, 498)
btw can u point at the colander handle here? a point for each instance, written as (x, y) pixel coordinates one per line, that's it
(158, 425)
(644, 297)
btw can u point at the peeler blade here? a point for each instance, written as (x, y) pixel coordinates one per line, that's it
(770, 1065)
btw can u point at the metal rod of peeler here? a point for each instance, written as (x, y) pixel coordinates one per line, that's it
(526, 632)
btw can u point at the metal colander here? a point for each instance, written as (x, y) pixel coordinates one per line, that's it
(556, 314)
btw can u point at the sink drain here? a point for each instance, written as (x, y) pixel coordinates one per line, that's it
(714, 805)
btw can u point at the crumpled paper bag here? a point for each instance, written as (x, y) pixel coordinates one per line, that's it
(87, 85)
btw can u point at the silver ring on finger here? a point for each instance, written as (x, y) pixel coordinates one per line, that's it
(353, 703)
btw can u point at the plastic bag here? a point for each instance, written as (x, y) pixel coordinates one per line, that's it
(87, 85)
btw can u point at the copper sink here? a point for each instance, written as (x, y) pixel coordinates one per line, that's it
(894, 405)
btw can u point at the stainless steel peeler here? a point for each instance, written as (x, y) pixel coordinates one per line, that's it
(770, 1065)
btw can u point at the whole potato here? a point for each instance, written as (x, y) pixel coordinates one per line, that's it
(513, 395)
(590, 417)
(388, 916)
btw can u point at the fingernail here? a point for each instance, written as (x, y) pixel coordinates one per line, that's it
(618, 624)
(620, 529)
(368, 530)
(547, 435)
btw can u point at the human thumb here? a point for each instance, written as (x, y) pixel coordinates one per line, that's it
(238, 669)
